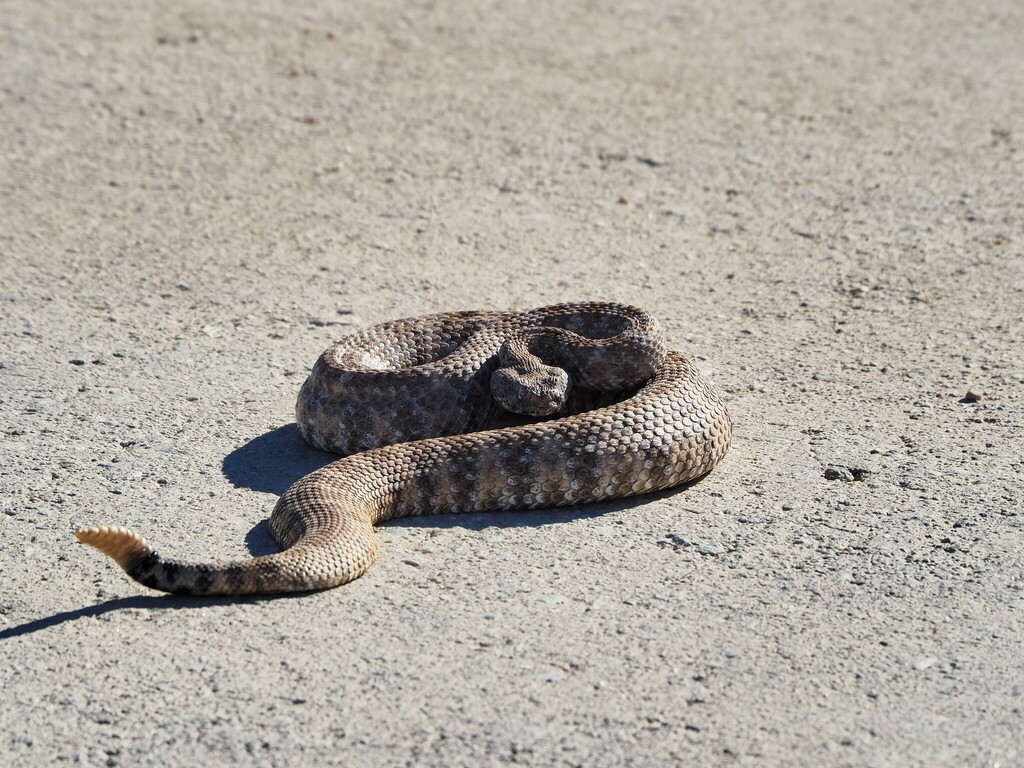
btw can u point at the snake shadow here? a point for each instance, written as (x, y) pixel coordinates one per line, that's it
(148, 602)
(273, 461)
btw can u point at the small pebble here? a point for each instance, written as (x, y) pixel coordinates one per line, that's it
(839, 473)
(970, 397)
(710, 549)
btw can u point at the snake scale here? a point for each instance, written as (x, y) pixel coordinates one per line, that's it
(416, 407)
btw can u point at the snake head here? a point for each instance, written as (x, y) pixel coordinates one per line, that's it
(531, 390)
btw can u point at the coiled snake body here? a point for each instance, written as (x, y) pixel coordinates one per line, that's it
(415, 402)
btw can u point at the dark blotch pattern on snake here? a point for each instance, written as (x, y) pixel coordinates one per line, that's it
(415, 405)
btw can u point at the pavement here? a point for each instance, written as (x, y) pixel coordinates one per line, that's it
(821, 202)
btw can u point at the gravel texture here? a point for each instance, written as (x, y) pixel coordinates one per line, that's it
(822, 202)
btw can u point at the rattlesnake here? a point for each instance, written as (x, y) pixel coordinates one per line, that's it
(415, 402)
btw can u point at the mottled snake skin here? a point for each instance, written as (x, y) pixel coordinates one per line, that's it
(416, 403)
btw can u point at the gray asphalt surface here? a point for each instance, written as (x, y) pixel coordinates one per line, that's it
(823, 204)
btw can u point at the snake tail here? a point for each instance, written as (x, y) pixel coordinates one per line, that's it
(126, 548)
(329, 552)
